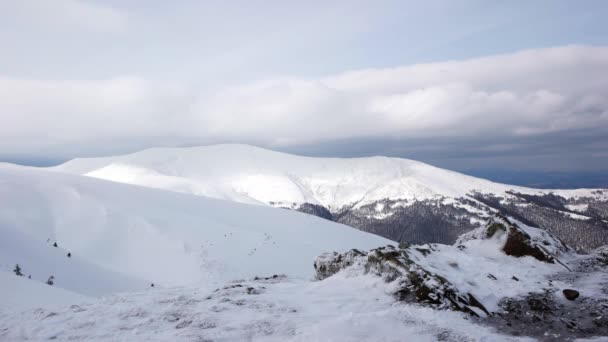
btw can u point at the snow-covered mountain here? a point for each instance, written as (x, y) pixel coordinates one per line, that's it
(400, 199)
(224, 270)
(123, 237)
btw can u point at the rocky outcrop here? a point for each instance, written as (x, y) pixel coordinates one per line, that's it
(409, 280)
(518, 242)
(480, 275)
(328, 264)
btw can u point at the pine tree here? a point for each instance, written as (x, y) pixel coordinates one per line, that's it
(51, 280)
(17, 270)
(55, 244)
(69, 255)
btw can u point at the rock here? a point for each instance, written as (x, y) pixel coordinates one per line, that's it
(571, 294)
(328, 264)
(409, 280)
(542, 246)
(597, 261)
(519, 244)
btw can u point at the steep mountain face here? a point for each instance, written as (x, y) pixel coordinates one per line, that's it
(402, 200)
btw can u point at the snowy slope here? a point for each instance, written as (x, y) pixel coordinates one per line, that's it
(353, 304)
(341, 308)
(163, 237)
(249, 174)
(20, 293)
(39, 259)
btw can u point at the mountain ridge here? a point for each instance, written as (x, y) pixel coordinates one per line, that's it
(400, 199)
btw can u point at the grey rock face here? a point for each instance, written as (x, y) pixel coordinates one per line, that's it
(412, 282)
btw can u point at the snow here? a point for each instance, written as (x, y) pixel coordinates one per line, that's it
(39, 259)
(468, 270)
(164, 237)
(191, 220)
(576, 216)
(345, 307)
(577, 207)
(20, 293)
(254, 175)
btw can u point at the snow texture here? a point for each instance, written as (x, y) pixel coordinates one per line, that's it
(120, 235)
(254, 175)
(345, 307)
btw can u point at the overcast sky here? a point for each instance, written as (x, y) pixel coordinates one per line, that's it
(519, 84)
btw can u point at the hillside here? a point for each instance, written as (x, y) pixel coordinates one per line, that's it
(503, 282)
(20, 293)
(224, 270)
(400, 199)
(38, 260)
(124, 237)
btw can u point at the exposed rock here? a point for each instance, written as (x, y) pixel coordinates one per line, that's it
(543, 246)
(597, 260)
(457, 278)
(542, 316)
(412, 282)
(571, 294)
(329, 264)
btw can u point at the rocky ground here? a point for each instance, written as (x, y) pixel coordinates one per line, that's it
(517, 279)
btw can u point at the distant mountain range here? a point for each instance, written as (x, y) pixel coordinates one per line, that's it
(402, 200)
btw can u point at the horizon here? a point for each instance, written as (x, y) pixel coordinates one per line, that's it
(530, 178)
(461, 86)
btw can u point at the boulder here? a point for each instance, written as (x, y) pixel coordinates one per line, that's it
(571, 294)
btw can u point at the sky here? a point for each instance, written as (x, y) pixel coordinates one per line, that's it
(464, 84)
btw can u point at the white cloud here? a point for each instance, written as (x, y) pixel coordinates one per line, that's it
(522, 94)
(79, 14)
(530, 92)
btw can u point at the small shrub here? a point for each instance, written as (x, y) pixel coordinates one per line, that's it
(17, 270)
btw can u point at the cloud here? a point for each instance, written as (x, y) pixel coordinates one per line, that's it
(527, 93)
(506, 98)
(79, 14)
